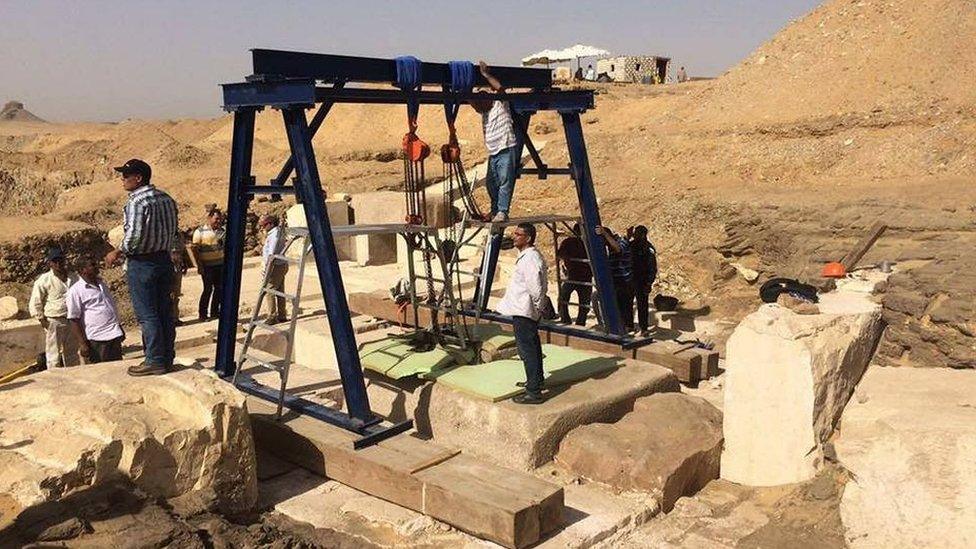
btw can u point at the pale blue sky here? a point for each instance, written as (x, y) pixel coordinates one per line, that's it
(102, 60)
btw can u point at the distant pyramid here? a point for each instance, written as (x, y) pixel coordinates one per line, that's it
(14, 111)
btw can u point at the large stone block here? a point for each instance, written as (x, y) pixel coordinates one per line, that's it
(908, 438)
(381, 207)
(376, 249)
(669, 445)
(69, 429)
(20, 343)
(339, 215)
(788, 378)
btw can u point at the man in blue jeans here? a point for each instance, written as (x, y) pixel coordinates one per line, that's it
(149, 248)
(523, 301)
(496, 120)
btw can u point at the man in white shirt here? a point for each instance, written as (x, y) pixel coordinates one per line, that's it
(590, 73)
(48, 305)
(523, 301)
(94, 316)
(274, 269)
(496, 120)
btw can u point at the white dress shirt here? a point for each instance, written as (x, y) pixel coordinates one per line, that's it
(527, 288)
(274, 244)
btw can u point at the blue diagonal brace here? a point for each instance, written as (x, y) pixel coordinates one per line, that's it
(309, 188)
(589, 220)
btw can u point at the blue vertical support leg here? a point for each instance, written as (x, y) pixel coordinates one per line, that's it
(237, 203)
(309, 189)
(590, 218)
(489, 260)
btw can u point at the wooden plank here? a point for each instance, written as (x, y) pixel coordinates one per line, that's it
(508, 507)
(380, 470)
(686, 365)
(874, 233)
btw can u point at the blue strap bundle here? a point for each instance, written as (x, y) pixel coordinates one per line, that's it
(462, 81)
(408, 70)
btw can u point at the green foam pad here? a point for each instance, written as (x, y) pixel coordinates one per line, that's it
(492, 337)
(495, 381)
(396, 358)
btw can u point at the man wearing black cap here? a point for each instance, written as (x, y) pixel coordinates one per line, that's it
(48, 304)
(150, 249)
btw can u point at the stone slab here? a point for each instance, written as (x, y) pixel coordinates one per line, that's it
(908, 438)
(788, 378)
(66, 430)
(20, 343)
(669, 445)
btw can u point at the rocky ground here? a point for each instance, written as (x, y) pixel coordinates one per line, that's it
(120, 515)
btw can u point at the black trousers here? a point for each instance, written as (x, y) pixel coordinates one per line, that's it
(583, 294)
(105, 351)
(530, 349)
(625, 302)
(213, 289)
(643, 306)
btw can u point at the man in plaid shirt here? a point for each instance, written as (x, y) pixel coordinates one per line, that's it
(150, 249)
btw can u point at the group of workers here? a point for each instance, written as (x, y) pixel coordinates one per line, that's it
(78, 312)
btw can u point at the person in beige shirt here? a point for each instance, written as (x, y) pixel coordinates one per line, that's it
(48, 304)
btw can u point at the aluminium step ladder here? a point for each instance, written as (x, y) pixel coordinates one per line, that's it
(292, 235)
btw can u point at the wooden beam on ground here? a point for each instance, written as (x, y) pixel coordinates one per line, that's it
(511, 508)
(874, 233)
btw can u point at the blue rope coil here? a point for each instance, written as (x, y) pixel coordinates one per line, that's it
(462, 76)
(462, 81)
(408, 69)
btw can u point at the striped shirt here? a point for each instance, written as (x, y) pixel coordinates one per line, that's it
(621, 263)
(499, 131)
(210, 245)
(150, 222)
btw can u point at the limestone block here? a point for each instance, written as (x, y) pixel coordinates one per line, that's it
(382, 207)
(788, 378)
(908, 437)
(376, 249)
(115, 236)
(339, 215)
(20, 342)
(513, 435)
(65, 430)
(8, 307)
(669, 445)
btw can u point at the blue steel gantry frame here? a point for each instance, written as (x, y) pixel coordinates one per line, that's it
(289, 82)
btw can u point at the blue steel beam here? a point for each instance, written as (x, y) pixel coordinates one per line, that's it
(237, 202)
(304, 93)
(309, 189)
(589, 220)
(331, 68)
(489, 260)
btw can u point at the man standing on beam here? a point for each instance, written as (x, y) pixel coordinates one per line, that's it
(523, 301)
(496, 120)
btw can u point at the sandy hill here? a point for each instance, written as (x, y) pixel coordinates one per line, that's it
(14, 111)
